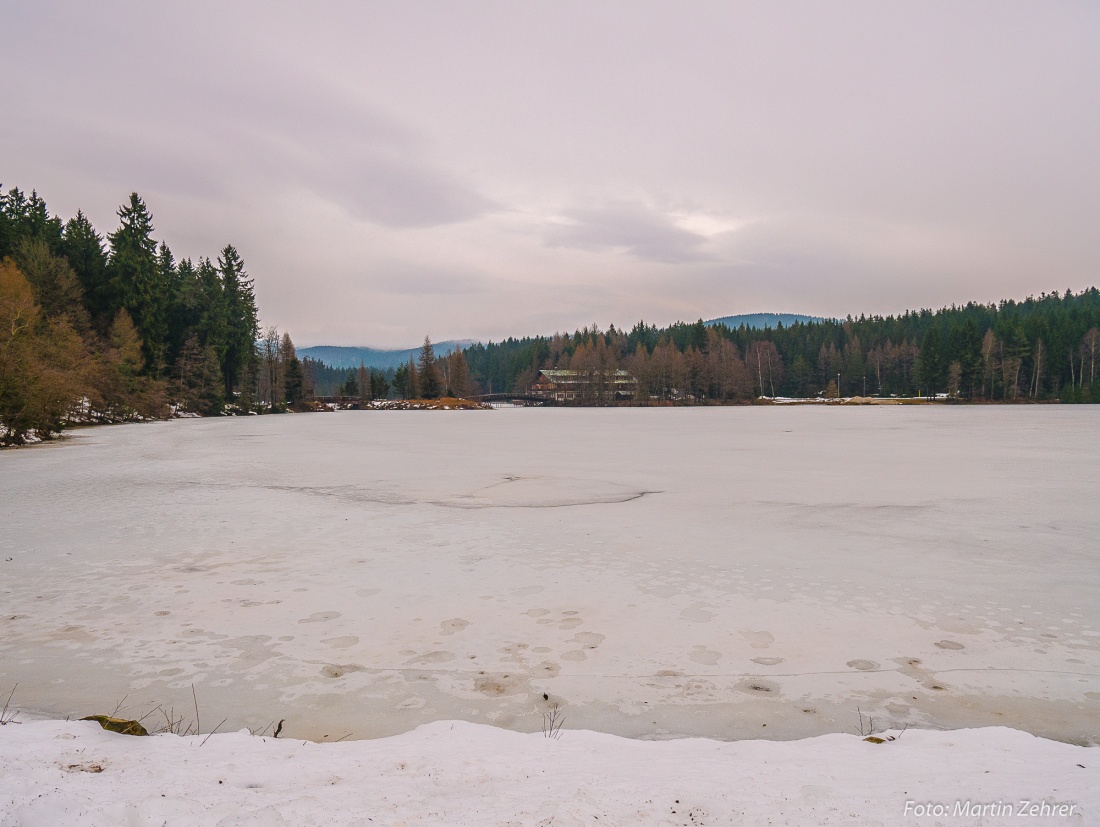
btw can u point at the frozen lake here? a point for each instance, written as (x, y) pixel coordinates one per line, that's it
(728, 572)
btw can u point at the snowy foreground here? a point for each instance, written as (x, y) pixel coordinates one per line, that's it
(455, 773)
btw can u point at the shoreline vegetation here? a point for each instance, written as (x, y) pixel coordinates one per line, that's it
(98, 329)
(443, 403)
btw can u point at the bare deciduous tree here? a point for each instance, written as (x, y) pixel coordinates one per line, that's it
(272, 391)
(458, 375)
(363, 378)
(954, 378)
(1037, 370)
(990, 363)
(728, 372)
(763, 358)
(1090, 349)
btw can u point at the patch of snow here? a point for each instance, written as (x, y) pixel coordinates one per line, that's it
(456, 773)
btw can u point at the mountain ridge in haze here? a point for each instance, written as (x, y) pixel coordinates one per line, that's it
(759, 321)
(351, 357)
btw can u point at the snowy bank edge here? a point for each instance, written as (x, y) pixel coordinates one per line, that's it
(455, 772)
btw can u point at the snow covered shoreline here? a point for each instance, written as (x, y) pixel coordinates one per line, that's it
(457, 773)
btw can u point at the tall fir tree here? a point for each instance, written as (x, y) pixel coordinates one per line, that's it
(427, 374)
(293, 380)
(168, 280)
(183, 311)
(42, 225)
(363, 379)
(212, 318)
(350, 388)
(242, 325)
(414, 389)
(401, 381)
(83, 247)
(379, 385)
(22, 218)
(136, 279)
(198, 384)
(9, 225)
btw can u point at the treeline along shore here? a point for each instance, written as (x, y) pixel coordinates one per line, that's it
(1039, 349)
(112, 328)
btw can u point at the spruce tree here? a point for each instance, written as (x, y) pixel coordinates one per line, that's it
(294, 382)
(248, 382)
(363, 379)
(379, 385)
(198, 386)
(242, 325)
(427, 373)
(9, 224)
(83, 247)
(136, 279)
(350, 387)
(22, 217)
(212, 317)
(183, 311)
(41, 225)
(414, 390)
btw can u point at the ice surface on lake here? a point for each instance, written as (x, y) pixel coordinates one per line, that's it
(729, 572)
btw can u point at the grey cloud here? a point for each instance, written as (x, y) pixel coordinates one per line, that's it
(641, 232)
(377, 168)
(401, 279)
(214, 141)
(399, 192)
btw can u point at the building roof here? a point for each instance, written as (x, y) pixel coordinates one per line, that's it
(576, 374)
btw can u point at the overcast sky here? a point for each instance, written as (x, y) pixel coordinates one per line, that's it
(484, 169)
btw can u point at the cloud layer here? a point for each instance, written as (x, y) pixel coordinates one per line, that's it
(492, 169)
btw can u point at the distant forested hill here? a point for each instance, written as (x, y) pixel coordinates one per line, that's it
(352, 357)
(758, 321)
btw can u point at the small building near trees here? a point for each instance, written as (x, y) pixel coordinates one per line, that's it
(585, 387)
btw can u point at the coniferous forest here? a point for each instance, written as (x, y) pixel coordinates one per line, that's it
(107, 329)
(1040, 349)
